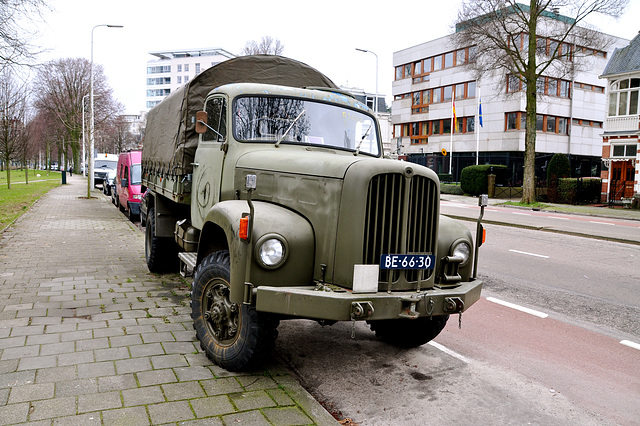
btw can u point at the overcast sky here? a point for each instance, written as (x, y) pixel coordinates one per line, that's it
(323, 34)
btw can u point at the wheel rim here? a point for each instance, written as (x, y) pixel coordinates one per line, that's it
(221, 316)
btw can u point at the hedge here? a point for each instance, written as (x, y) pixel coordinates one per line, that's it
(579, 190)
(474, 179)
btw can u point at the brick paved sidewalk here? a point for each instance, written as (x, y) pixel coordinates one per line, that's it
(89, 336)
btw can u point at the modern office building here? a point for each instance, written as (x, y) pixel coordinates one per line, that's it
(433, 77)
(620, 140)
(173, 68)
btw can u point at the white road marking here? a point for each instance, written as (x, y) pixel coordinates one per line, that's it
(449, 351)
(517, 307)
(602, 223)
(521, 214)
(631, 344)
(559, 218)
(530, 254)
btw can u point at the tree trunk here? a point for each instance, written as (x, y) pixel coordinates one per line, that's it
(529, 179)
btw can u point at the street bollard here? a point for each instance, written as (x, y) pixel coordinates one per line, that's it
(64, 177)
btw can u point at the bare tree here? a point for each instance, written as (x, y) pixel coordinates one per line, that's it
(59, 87)
(529, 42)
(13, 106)
(15, 48)
(267, 46)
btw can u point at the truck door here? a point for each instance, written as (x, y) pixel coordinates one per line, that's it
(209, 160)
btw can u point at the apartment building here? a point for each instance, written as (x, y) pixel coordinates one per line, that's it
(621, 137)
(434, 78)
(171, 69)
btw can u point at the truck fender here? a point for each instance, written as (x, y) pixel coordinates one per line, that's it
(451, 231)
(270, 221)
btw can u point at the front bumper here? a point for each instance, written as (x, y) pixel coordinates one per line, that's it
(344, 305)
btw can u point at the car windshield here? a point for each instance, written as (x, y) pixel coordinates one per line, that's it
(136, 174)
(305, 122)
(105, 164)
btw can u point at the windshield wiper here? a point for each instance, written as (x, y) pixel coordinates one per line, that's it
(290, 127)
(362, 140)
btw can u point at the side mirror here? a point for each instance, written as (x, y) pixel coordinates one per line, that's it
(201, 122)
(124, 182)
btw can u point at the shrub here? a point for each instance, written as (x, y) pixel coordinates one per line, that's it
(449, 188)
(473, 179)
(557, 169)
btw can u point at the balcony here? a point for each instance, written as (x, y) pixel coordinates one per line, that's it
(627, 123)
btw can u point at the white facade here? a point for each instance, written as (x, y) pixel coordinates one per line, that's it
(571, 118)
(174, 68)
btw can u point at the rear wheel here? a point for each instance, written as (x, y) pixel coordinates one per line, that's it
(409, 333)
(160, 252)
(236, 337)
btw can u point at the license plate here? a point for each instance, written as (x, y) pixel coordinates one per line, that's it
(407, 261)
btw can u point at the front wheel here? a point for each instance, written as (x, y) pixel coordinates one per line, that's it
(409, 333)
(236, 337)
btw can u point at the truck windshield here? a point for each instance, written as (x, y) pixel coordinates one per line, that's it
(105, 164)
(305, 122)
(136, 174)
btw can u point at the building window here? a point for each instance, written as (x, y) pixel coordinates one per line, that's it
(159, 69)
(417, 68)
(197, 68)
(186, 67)
(623, 97)
(513, 83)
(179, 79)
(461, 56)
(624, 150)
(512, 121)
(179, 67)
(447, 93)
(448, 60)
(437, 62)
(471, 124)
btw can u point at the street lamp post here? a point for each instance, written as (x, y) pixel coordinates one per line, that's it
(84, 157)
(375, 101)
(91, 181)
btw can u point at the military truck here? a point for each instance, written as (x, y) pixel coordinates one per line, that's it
(268, 185)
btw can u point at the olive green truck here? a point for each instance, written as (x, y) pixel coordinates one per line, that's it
(269, 186)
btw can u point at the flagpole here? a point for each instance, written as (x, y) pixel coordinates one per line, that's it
(478, 128)
(453, 117)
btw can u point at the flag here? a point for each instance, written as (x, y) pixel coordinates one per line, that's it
(453, 107)
(480, 111)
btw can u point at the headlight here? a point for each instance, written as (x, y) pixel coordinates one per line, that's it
(463, 251)
(271, 252)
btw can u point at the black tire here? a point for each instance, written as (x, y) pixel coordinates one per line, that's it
(409, 333)
(161, 253)
(132, 217)
(236, 337)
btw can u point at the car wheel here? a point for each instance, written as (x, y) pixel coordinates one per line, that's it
(409, 333)
(132, 217)
(160, 252)
(236, 337)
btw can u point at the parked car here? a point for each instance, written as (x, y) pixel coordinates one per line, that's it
(128, 182)
(104, 170)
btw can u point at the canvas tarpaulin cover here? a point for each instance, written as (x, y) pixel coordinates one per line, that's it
(170, 138)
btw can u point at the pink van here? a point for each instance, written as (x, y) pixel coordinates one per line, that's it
(128, 184)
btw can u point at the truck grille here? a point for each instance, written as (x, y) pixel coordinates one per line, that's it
(401, 218)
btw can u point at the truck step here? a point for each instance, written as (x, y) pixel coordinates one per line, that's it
(187, 263)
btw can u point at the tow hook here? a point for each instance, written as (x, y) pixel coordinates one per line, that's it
(453, 305)
(361, 310)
